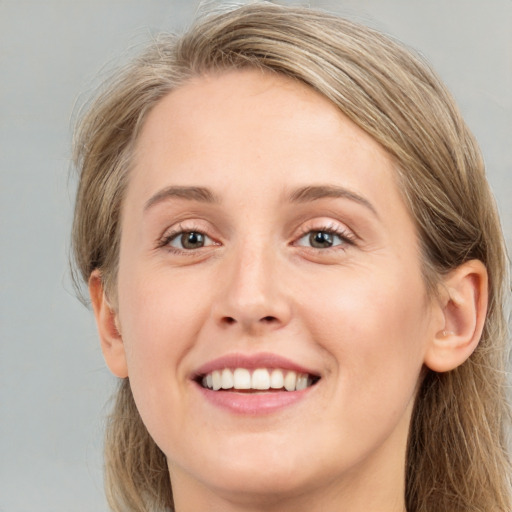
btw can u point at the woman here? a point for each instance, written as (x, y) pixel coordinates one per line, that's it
(297, 272)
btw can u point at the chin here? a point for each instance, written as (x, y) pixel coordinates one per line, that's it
(254, 474)
(260, 485)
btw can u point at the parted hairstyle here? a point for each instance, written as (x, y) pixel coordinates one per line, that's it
(457, 454)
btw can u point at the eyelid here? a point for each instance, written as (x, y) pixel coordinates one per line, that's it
(329, 226)
(347, 235)
(174, 232)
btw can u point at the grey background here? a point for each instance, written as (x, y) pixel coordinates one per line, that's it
(53, 384)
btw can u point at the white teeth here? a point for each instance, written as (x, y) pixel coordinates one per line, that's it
(217, 380)
(276, 379)
(290, 381)
(261, 379)
(227, 379)
(241, 379)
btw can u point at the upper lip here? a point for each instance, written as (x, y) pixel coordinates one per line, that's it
(251, 362)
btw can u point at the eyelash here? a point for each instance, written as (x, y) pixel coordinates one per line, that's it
(347, 238)
(166, 240)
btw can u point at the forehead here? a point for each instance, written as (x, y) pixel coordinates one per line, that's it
(246, 122)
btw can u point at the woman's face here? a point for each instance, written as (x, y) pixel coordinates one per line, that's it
(263, 234)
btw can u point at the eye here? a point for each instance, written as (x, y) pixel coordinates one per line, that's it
(188, 240)
(323, 239)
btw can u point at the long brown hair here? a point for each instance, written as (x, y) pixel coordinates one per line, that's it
(457, 457)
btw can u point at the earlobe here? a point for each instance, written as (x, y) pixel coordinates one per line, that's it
(108, 329)
(464, 304)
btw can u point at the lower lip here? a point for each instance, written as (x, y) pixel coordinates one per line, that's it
(253, 403)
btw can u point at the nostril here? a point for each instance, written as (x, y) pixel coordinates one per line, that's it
(229, 320)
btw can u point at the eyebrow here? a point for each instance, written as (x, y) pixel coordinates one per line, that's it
(315, 192)
(200, 194)
(300, 195)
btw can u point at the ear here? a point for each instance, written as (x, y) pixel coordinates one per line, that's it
(464, 307)
(108, 328)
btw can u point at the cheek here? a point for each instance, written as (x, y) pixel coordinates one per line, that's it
(376, 330)
(157, 313)
(159, 321)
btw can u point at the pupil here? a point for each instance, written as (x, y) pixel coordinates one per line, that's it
(192, 240)
(321, 239)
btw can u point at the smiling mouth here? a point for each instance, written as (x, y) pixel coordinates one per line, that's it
(257, 380)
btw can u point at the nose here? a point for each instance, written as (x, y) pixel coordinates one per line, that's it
(253, 295)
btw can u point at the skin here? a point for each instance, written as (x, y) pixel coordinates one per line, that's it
(357, 313)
